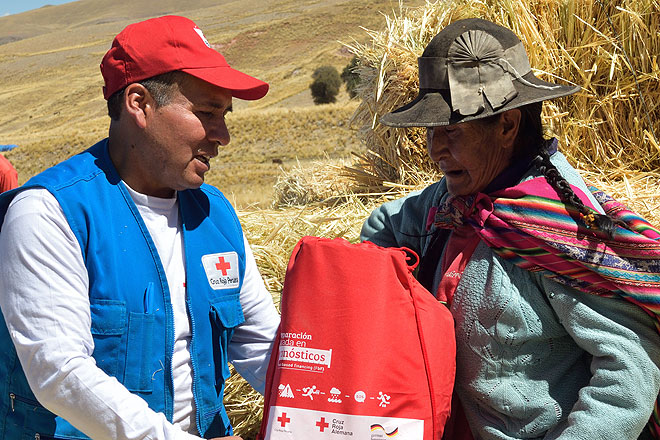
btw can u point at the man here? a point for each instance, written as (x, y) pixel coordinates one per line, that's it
(127, 284)
(8, 175)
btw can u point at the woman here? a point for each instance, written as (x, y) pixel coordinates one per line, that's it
(512, 239)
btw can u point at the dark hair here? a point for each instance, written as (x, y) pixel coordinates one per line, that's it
(160, 87)
(530, 133)
(591, 218)
(530, 129)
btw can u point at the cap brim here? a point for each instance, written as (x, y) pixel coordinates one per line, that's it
(241, 85)
(432, 107)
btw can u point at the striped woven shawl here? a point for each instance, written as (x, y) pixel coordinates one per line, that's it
(528, 225)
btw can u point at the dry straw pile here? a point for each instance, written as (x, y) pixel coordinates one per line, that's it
(609, 129)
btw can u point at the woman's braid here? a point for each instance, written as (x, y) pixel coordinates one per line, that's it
(592, 219)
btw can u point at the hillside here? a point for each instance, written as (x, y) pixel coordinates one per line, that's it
(50, 84)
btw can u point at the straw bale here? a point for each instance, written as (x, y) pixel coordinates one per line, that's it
(640, 191)
(244, 406)
(321, 182)
(610, 49)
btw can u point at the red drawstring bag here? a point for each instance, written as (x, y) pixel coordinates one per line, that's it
(363, 351)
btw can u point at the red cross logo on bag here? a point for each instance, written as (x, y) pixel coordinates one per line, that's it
(322, 424)
(283, 419)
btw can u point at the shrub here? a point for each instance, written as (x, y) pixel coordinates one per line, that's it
(351, 77)
(325, 86)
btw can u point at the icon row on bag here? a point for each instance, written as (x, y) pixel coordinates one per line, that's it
(333, 396)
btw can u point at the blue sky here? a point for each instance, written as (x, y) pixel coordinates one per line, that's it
(8, 7)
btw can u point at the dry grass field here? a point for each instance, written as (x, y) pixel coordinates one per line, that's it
(296, 169)
(50, 85)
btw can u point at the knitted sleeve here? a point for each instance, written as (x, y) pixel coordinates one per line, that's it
(625, 357)
(402, 222)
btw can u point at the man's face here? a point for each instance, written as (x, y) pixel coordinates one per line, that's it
(470, 154)
(182, 136)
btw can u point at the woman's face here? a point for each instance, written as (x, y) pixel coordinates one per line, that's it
(470, 154)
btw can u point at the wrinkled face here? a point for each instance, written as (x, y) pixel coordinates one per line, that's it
(182, 136)
(470, 154)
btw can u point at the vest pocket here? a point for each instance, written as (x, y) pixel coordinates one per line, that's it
(226, 313)
(137, 374)
(39, 436)
(123, 344)
(29, 418)
(24, 413)
(108, 327)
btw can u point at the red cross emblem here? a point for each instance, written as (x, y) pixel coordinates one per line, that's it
(222, 265)
(322, 424)
(283, 419)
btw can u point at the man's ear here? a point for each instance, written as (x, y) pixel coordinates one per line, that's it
(137, 103)
(509, 126)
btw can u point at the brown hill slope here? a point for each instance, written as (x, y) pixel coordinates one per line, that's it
(50, 85)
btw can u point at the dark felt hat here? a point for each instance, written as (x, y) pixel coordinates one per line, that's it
(471, 70)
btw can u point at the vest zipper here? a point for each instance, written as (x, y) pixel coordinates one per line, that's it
(170, 414)
(193, 364)
(12, 396)
(37, 436)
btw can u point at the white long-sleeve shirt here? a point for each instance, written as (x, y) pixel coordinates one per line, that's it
(45, 302)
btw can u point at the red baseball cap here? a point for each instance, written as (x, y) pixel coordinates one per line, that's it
(164, 44)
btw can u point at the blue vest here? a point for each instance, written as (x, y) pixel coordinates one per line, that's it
(132, 318)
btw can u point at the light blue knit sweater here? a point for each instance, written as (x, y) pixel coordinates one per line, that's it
(536, 359)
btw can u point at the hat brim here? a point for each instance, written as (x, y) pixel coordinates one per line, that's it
(241, 85)
(432, 107)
